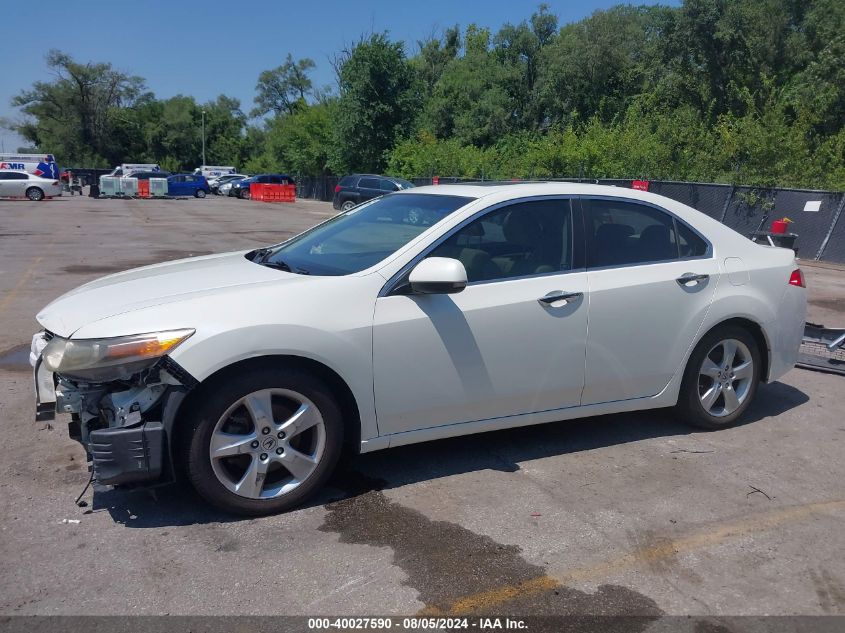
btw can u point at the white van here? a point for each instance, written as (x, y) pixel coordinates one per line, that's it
(214, 171)
(43, 165)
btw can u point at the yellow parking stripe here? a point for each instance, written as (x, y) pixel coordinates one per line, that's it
(493, 598)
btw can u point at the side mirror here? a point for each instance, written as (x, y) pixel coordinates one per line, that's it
(438, 275)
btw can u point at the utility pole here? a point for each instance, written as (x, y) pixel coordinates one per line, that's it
(203, 137)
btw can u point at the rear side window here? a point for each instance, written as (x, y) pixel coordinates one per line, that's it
(621, 233)
(690, 243)
(347, 181)
(368, 183)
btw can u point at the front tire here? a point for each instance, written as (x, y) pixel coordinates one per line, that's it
(263, 441)
(35, 194)
(244, 194)
(721, 378)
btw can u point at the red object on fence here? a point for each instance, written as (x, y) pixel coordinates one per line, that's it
(780, 226)
(143, 188)
(641, 185)
(262, 192)
(435, 180)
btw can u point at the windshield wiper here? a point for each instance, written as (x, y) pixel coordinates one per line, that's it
(278, 265)
(259, 255)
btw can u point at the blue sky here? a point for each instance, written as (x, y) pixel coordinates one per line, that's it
(208, 47)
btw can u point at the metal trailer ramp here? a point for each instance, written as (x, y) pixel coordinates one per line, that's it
(823, 349)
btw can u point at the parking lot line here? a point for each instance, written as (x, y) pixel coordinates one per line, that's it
(494, 598)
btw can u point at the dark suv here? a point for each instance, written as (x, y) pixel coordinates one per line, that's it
(357, 188)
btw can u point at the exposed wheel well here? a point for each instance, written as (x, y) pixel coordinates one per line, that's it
(346, 400)
(759, 337)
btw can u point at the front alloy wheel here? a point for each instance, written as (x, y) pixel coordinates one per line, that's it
(267, 443)
(262, 440)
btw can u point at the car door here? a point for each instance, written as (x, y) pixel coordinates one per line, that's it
(369, 188)
(5, 183)
(643, 315)
(176, 185)
(508, 344)
(17, 184)
(192, 183)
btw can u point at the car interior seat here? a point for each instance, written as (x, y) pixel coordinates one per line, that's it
(611, 243)
(655, 243)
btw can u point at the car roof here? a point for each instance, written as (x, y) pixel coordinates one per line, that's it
(496, 192)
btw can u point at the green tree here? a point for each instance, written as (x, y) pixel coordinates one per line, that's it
(301, 142)
(72, 115)
(379, 96)
(283, 89)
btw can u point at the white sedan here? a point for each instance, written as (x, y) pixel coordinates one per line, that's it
(20, 184)
(423, 314)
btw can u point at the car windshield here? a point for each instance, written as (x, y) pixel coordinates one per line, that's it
(364, 235)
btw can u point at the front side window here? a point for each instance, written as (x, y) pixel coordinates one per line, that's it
(621, 233)
(364, 235)
(522, 239)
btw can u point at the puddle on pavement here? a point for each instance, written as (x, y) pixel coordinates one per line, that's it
(15, 358)
(456, 571)
(157, 257)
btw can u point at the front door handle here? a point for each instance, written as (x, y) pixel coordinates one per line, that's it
(691, 278)
(559, 295)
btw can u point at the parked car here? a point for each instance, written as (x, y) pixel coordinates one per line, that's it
(419, 315)
(358, 188)
(20, 184)
(187, 185)
(216, 183)
(226, 188)
(240, 188)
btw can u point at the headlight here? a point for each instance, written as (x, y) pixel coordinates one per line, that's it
(108, 358)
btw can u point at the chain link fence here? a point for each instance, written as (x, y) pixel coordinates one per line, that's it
(816, 215)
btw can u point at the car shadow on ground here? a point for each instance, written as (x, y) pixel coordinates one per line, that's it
(179, 505)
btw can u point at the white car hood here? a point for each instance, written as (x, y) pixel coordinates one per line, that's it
(154, 285)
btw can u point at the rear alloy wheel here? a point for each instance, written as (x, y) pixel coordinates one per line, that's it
(264, 442)
(347, 205)
(721, 378)
(35, 194)
(200, 193)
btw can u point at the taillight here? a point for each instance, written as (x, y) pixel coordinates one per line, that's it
(797, 278)
(336, 188)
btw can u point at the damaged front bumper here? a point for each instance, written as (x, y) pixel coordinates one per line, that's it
(124, 425)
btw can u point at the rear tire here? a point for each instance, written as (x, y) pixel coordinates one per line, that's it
(35, 194)
(227, 412)
(244, 194)
(720, 379)
(200, 193)
(348, 204)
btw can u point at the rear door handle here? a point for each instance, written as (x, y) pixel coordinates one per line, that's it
(559, 295)
(691, 278)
